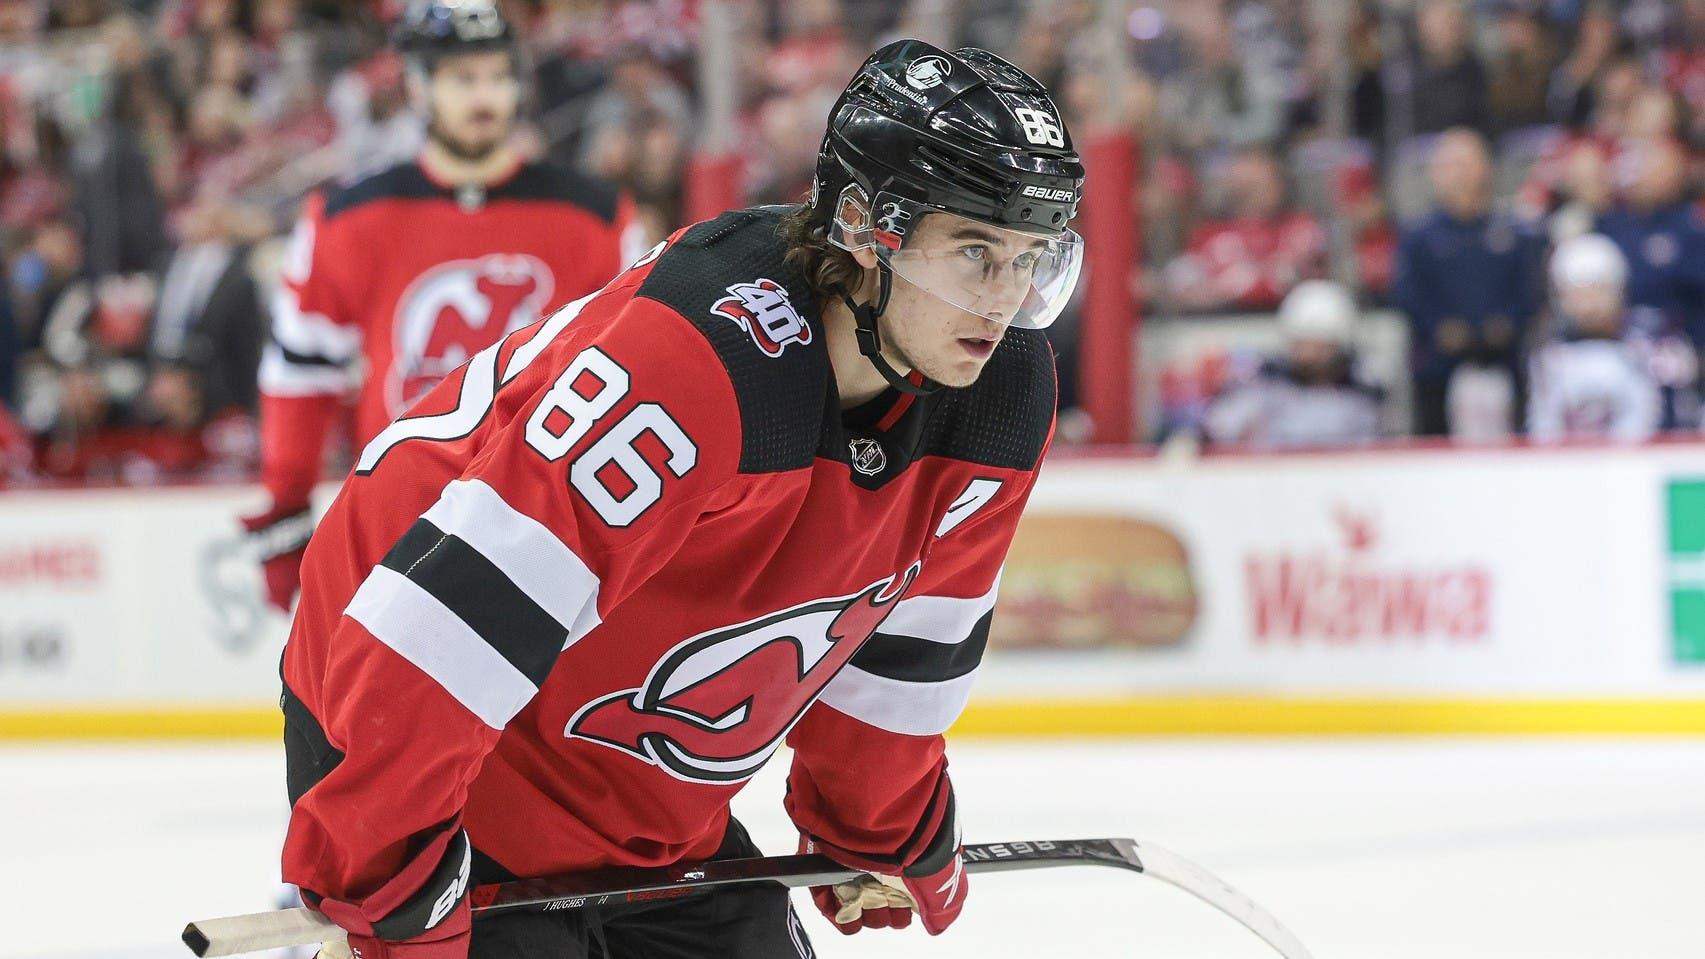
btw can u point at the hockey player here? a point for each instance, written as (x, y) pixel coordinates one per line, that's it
(1311, 396)
(1592, 382)
(760, 487)
(394, 281)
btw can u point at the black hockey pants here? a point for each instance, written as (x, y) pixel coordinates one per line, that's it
(754, 922)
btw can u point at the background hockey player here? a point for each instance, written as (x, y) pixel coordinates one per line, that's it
(394, 281)
(1310, 396)
(1592, 382)
(759, 488)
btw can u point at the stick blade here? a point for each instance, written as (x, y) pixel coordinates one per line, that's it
(1181, 873)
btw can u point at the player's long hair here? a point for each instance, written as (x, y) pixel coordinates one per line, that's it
(828, 269)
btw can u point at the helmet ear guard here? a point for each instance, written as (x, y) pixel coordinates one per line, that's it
(850, 229)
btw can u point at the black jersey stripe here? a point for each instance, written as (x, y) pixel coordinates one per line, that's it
(307, 359)
(480, 595)
(913, 660)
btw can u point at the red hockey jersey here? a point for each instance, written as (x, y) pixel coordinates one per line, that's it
(582, 592)
(394, 281)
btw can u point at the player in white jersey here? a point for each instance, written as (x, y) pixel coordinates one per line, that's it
(1592, 382)
(1310, 396)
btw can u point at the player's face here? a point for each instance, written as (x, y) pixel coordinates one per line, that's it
(1596, 308)
(473, 99)
(987, 270)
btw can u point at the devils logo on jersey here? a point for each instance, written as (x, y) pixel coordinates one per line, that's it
(718, 705)
(457, 309)
(763, 310)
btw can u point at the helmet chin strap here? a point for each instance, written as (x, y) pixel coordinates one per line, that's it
(870, 339)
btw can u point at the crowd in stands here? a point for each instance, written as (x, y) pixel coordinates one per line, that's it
(1425, 156)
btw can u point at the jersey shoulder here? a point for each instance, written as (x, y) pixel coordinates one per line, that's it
(404, 181)
(728, 278)
(547, 183)
(1002, 420)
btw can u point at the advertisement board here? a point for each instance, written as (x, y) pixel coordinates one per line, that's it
(132, 598)
(1521, 573)
(1492, 590)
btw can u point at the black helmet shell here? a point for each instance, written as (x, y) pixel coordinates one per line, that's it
(430, 29)
(964, 131)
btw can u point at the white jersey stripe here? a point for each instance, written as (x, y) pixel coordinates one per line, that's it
(941, 619)
(311, 333)
(280, 377)
(910, 709)
(534, 559)
(409, 620)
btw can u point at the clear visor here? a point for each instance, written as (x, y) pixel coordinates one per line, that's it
(1009, 276)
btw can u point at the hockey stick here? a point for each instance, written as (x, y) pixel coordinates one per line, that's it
(303, 927)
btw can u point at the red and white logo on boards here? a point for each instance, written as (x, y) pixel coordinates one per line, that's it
(456, 309)
(764, 311)
(718, 705)
(1360, 592)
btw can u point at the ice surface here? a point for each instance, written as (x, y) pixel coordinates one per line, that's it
(1368, 849)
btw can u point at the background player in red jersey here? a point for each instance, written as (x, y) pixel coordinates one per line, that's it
(758, 489)
(393, 281)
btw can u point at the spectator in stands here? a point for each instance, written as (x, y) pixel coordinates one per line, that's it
(41, 271)
(118, 207)
(1664, 241)
(375, 127)
(1577, 83)
(205, 342)
(1310, 396)
(1373, 238)
(1681, 62)
(1591, 381)
(1251, 258)
(1465, 277)
(11, 356)
(1521, 73)
(1585, 194)
(1450, 83)
(1226, 97)
(96, 338)
(1368, 119)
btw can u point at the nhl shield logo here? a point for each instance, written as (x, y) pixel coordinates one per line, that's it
(867, 456)
(763, 310)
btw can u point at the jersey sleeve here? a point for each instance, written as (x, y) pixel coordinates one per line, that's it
(869, 772)
(310, 362)
(594, 471)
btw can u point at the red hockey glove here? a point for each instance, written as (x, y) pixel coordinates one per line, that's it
(881, 901)
(367, 947)
(934, 885)
(431, 922)
(279, 537)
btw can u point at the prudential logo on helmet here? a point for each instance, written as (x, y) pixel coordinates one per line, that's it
(927, 72)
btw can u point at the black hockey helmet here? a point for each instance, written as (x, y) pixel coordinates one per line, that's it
(920, 132)
(431, 29)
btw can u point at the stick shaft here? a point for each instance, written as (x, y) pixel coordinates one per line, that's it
(234, 935)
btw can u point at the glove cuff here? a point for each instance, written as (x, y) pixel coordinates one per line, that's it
(280, 532)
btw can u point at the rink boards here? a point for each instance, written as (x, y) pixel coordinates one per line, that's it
(1382, 592)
